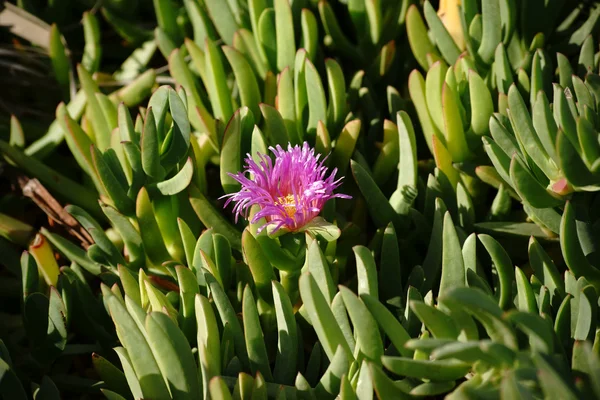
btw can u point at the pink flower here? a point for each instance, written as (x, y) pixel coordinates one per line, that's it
(290, 192)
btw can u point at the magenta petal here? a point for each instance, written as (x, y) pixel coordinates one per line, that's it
(290, 191)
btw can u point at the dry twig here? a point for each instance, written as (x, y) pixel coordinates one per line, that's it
(33, 189)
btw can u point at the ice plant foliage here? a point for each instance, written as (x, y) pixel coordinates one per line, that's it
(290, 191)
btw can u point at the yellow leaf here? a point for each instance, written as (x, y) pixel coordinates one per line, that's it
(449, 14)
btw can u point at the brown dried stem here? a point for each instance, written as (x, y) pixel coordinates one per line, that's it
(33, 189)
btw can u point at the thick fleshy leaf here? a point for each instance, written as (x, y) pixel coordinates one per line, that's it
(287, 346)
(142, 358)
(179, 181)
(173, 355)
(552, 381)
(366, 271)
(418, 38)
(260, 267)
(525, 132)
(388, 323)
(228, 317)
(310, 33)
(317, 105)
(98, 119)
(222, 12)
(380, 209)
(322, 229)
(442, 370)
(329, 384)
(245, 79)
(209, 345)
(453, 269)
(444, 40)
(275, 128)
(529, 188)
(211, 218)
(320, 270)
(385, 387)
(571, 248)
(178, 139)
(72, 251)
(482, 106)
(437, 322)
(406, 190)
(255, 342)
(504, 269)
(368, 337)
(390, 272)
(321, 317)
(284, 26)
(236, 140)
(484, 309)
(336, 111)
(417, 90)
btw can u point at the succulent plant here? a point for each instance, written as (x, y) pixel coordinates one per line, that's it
(304, 199)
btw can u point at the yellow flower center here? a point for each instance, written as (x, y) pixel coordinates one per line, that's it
(288, 203)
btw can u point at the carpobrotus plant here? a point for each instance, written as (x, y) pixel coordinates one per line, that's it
(246, 206)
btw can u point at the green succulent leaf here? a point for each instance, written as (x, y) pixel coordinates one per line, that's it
(368, 337)
(442, 370)
(330, 335)
(443, 39)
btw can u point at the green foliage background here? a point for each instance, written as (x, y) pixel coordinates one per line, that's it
(467, 264)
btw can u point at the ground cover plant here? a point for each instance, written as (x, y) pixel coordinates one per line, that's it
(300, 199)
